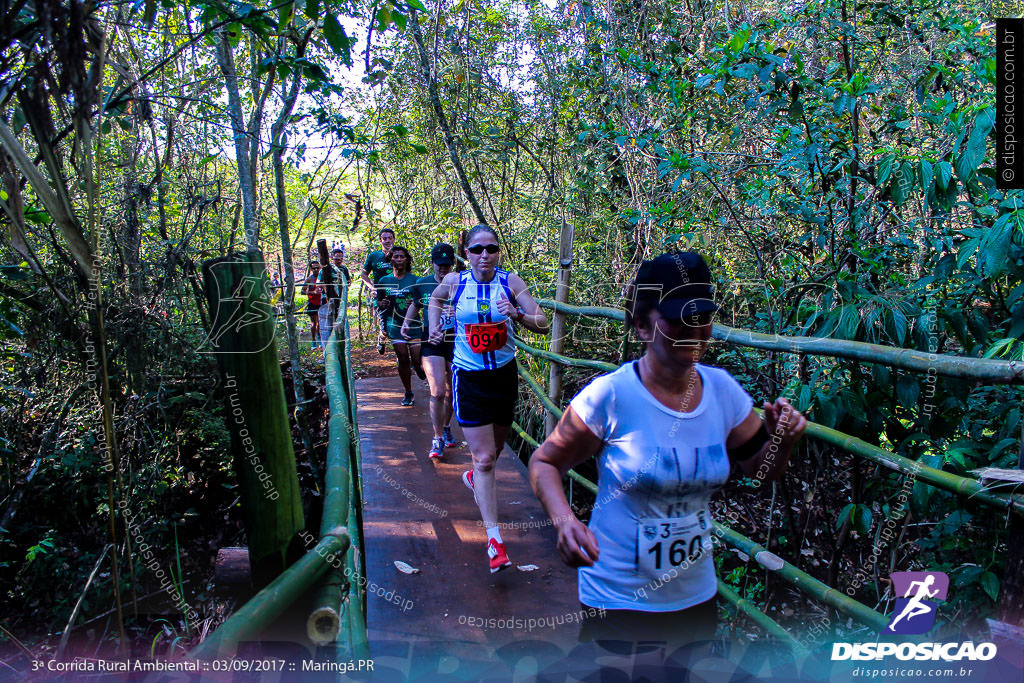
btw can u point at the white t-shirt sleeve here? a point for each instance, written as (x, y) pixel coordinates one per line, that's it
(737, 401)
(594, 406)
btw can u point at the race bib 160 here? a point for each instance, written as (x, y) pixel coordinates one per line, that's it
(666, 542)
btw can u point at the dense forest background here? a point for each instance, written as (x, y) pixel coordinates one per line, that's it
(832, 159)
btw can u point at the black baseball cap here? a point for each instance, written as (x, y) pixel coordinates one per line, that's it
(679, 282)
(443, 254)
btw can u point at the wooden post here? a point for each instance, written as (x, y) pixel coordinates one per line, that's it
(242, 338)
(231, 570)
(558, 322)
(325, 257)
(1010, 606)
(1007, 628)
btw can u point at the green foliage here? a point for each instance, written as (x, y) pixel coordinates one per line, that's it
(833, 162)
(857, 515)
(44, 547)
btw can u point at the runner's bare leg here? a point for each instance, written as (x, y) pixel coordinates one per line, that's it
(485, 443)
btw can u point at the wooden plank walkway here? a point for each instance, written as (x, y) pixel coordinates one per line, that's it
(419, 512)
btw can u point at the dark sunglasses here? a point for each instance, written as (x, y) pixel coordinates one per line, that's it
(480, 248)
(698, 320)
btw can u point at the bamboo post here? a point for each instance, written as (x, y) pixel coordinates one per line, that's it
(558, 321)
(242, 337)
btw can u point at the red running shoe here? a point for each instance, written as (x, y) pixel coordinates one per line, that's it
(496, 553)
(467, 479)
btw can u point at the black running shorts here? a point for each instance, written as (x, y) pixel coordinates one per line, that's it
(484, 397)
(693, 624)
(445, 349)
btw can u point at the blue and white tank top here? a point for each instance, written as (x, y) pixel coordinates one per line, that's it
(476, 309)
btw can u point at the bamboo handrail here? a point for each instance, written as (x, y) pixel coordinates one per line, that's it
(356, 523)
(565, 360)
(801, 579)
(786, 570)
(584, 311)
(324, 622)
(341, 504)
(760, 618)
(985, 370)
(538, 391)
(954, 483)
(336, 478)
(272, 601)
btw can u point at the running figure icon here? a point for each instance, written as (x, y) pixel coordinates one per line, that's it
(916, 606)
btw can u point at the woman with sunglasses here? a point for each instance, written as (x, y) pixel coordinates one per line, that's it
(668, 430)
(486, 299)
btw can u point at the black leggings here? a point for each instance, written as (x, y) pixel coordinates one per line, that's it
(690, 625)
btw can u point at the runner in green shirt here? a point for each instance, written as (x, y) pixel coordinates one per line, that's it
(394, 294)
(437, 358)
(378, 265)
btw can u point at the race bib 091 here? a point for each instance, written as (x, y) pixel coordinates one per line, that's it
(486, 337)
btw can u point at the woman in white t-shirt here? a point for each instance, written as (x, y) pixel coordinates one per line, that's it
(667, 431)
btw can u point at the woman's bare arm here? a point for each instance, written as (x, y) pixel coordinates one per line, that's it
(570, 444)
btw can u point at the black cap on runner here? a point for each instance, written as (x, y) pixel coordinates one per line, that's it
(680, 283)
(443, 254)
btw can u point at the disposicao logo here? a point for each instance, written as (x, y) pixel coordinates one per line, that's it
(915, 611)
(914, 614)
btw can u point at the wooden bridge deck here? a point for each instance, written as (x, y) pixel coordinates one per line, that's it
(419, 512)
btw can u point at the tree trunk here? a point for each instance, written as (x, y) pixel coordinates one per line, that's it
(442, 121)
(245, 180)
(288, 298)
